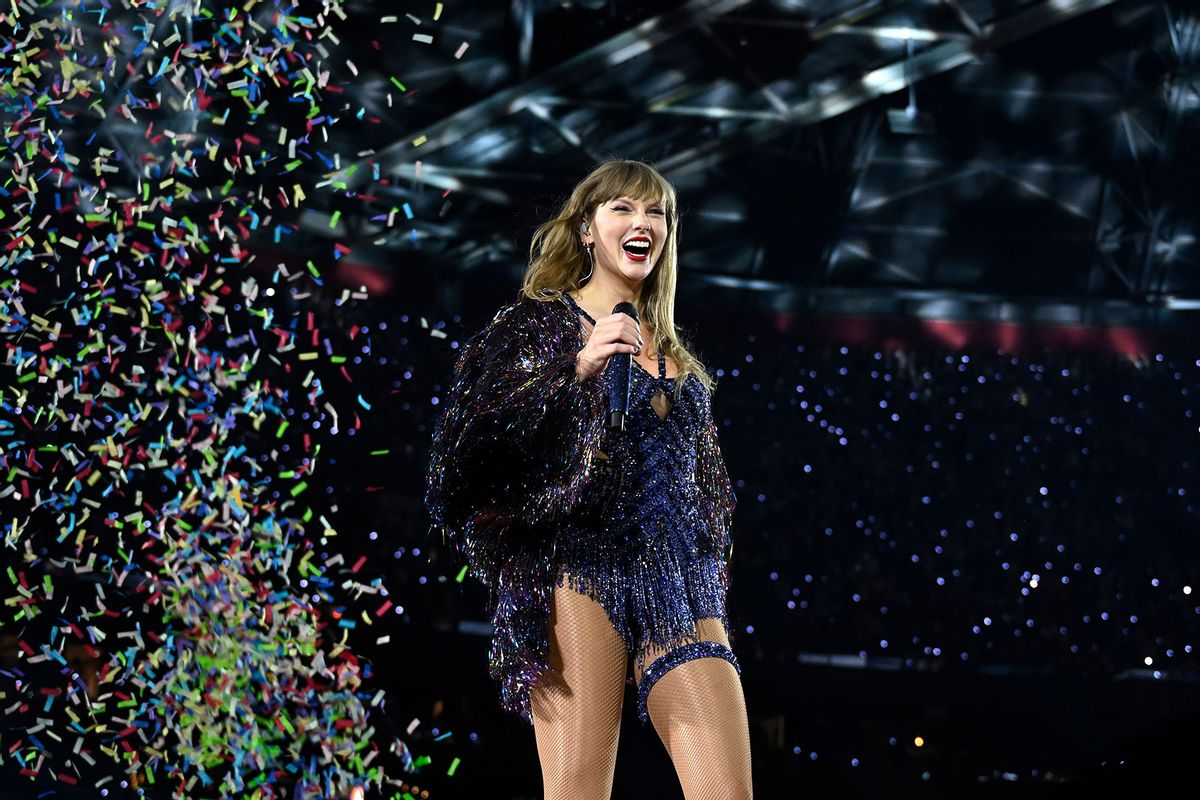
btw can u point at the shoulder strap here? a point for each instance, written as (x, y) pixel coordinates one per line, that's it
(571, 301)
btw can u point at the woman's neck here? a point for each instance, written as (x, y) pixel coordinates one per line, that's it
(603, 300)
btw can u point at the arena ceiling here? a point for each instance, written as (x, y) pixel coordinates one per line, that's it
(1007, 160)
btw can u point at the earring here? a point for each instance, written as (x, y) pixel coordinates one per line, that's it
(591, 263)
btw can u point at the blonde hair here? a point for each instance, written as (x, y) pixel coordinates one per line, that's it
(558, 261)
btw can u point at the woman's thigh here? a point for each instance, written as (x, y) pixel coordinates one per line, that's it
(699, 711)
(576, 704)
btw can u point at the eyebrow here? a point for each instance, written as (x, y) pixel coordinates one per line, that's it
(628, 199)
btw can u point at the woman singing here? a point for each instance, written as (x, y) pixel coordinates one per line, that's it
(605, 550)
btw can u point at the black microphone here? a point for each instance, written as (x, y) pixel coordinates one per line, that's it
(621, 367)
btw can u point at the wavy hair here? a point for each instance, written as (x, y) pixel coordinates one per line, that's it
(558, 261)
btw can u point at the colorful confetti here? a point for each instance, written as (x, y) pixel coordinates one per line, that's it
(170, 615)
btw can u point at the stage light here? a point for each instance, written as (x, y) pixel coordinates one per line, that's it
(1182, 303)
(919, 742)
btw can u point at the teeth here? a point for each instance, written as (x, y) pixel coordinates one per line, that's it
(640, 245)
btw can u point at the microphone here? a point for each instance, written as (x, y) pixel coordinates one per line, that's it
(621, 367)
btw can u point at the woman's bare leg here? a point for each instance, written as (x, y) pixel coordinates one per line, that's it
(699, 712)
(576, 705)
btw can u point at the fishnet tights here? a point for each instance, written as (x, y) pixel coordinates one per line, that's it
(576, 705)
(697, 709)
(699, 712)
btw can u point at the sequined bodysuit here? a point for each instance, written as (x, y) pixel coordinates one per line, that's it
(532, 490)
(635, 542)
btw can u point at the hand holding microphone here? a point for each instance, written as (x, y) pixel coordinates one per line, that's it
(617, 333)
(615, 339)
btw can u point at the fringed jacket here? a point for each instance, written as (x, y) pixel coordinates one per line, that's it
(513, 453)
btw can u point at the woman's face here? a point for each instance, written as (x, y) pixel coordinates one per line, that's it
(618, 227)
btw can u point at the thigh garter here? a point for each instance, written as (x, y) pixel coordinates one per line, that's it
(680, 655)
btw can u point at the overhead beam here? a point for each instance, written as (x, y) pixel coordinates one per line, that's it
(564, 132)
(943, 303)
(656, 107)
(609, 53)
(883, 81)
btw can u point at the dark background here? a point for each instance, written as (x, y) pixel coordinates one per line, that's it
(975, 216)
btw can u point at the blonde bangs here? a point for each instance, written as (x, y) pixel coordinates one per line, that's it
(636, 183)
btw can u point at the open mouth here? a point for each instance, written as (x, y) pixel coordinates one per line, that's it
(637, 249)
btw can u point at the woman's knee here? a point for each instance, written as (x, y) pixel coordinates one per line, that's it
(579, 772)
(721, 785)
(718, 785)
(575, 769)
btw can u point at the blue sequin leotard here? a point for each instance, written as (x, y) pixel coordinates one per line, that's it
(636, 542)
(529, 487)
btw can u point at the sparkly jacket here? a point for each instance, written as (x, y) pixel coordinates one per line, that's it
(513, 453)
